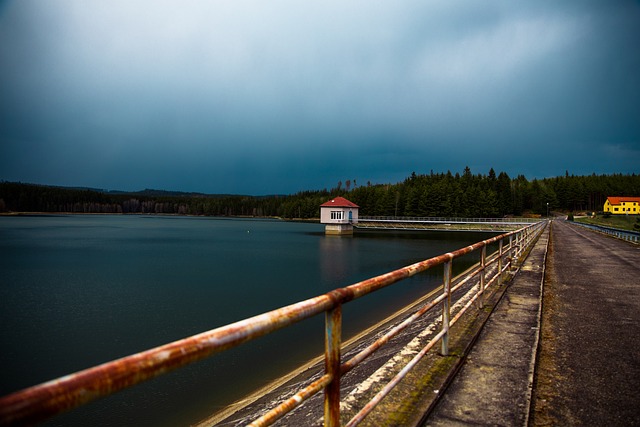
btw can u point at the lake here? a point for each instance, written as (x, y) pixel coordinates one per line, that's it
(77, 291)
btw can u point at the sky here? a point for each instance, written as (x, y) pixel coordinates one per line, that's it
(275, 97)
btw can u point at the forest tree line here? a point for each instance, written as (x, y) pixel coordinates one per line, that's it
(426, 195)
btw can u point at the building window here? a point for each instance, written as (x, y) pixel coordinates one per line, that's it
(614, 209)
(336, 214)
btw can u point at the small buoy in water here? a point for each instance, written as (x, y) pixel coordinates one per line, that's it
(247, 231)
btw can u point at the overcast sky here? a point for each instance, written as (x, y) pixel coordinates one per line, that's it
(262, 97)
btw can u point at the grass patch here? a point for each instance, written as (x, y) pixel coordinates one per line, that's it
(623, 222)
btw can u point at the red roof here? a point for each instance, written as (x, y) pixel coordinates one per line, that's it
(339, 202)
(619, 200)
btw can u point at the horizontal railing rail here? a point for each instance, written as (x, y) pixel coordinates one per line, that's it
(449, 220)
(43, 401)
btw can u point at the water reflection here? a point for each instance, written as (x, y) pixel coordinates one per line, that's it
(338, 259)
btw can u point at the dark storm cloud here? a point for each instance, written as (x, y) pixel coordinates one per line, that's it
(257, 97)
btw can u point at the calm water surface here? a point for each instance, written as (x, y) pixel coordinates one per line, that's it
(76, 291)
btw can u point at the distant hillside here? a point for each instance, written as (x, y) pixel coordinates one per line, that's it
(20, 197)
(148, 192)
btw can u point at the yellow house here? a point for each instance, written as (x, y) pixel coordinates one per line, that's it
(622, 205)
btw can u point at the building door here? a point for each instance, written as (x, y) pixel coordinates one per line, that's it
(350, 216)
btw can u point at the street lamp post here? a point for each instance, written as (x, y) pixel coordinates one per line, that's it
(547, 209)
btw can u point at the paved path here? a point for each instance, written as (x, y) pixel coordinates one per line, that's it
(589, 361)
(588, 367)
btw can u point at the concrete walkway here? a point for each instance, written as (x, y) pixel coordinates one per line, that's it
(493, 387)
(588, 356)
(589, 360)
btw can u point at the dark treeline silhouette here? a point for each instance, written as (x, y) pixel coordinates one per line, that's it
(434, 194)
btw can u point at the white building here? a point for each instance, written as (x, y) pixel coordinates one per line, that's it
(339, 215)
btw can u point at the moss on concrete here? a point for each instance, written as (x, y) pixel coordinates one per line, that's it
(418, 393)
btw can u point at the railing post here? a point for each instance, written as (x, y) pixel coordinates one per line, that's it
(333, 338)
(483, 263)
(446, 307)
(512, 251)
(500, 262)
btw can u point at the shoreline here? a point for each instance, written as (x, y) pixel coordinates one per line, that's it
(256, 394)
(23, 213)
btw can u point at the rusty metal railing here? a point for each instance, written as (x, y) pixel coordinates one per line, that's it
(43, 401)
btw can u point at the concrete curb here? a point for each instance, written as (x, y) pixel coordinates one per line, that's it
(493, 384)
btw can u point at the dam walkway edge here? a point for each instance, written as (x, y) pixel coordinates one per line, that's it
(413, 399)
(433, 323)
(585, 367)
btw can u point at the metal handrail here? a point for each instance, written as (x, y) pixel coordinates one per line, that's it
(43, 401)
(454, 220)
(628, 235)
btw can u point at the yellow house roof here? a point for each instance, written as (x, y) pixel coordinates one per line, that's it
(620, 200)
